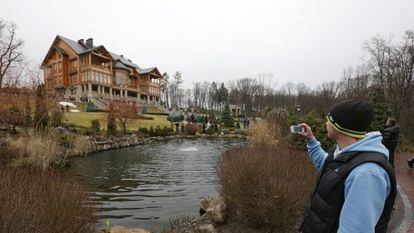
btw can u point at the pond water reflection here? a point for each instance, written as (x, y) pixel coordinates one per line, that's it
(145, 186)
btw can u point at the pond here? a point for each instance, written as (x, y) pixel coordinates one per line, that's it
(146, 185)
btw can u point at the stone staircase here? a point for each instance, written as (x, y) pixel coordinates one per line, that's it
(100, 104)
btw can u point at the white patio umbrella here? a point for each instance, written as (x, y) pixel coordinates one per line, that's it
(63, 103)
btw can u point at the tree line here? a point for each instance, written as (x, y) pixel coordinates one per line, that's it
(387, 67)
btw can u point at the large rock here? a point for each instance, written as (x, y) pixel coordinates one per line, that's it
(204, 205)
(127, 230)
(213, 209)
(207, 228)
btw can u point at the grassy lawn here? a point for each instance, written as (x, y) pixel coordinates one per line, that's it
(84, 119)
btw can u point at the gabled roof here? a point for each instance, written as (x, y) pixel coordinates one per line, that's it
(146, 71)
(124, 60)
(118, 64)
(52, 48)
(74, 45)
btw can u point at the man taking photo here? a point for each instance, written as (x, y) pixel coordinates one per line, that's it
(356, 186)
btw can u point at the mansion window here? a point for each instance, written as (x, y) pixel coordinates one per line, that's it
(73, 64)
(73, 78)
(48, 71)
(84, 61)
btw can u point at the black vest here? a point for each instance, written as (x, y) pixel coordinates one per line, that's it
(327, 199)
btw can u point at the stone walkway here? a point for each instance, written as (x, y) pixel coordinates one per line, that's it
(405, 179)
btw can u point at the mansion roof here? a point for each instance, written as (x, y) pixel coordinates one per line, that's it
(81, 47)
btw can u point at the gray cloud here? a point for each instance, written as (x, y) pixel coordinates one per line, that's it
(299, 41)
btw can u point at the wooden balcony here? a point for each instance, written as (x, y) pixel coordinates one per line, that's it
(102, 69)
(73, 70)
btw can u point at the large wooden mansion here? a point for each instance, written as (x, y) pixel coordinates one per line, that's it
(81, 71)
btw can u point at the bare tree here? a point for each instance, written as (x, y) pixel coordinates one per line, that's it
(197, 94)
(392, 68)
(124, 111)
(204, 95)
(11, 55)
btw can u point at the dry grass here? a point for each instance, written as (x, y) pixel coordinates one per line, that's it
(265, 133)
(42, 202)
(41, 151)
(80, 146)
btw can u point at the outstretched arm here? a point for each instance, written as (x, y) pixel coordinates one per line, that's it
(316, 154)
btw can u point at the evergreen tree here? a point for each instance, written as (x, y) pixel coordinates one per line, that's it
(96, 126)
(223, 95)
(227, 118)
(381, 110)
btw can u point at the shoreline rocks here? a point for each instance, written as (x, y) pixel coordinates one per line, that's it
(119, 229)
(133, 140)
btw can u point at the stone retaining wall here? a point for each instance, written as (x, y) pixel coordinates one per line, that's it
(133, 140)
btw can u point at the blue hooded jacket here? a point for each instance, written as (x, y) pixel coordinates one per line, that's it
(366, 188)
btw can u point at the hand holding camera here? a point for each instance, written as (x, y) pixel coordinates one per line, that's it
(302, 129)
(297, 129)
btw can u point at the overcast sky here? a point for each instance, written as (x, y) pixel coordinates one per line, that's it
(297, 41)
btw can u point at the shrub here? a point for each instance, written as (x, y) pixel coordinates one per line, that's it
(157, 131)
(143, 130)
(227, 117)
(151, 131)
(210, 131)
(267, 187)
(111, 125)
(96, 126)
(11, 116)
(7, 154)
(225, 130)
(43, 202)
(191, 129)
(56, 117)
(41, 115)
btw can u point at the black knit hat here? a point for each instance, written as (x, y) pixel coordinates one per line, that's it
(351, 117)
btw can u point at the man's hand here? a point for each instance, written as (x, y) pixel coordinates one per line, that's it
(308, 131)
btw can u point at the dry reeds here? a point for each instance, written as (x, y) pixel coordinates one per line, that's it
(37, 150)
(266, 184)
(43, 151)
(265, 133)
(80, 146)
(42, 202)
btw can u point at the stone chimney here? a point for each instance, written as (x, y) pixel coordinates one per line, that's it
(89, 43)
(81, 41)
